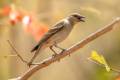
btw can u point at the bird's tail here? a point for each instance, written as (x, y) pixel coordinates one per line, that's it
(35, 48)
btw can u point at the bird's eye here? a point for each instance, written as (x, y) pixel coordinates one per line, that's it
(76, 16)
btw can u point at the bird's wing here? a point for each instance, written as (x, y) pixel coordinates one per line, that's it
(56, 28)
(52, 31)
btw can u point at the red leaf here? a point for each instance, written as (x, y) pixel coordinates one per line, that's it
(6, 10)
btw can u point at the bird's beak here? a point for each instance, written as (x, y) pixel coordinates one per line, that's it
(82, 18)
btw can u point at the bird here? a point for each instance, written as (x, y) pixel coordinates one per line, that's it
(58, 33)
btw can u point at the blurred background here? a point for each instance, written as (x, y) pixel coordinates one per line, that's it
(23, 22)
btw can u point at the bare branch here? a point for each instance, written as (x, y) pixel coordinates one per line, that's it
(115, 70)
(16, 52)
(70, 50)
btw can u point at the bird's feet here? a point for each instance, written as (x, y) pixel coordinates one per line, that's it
(29, 64)
(53, 55)
(63, 50)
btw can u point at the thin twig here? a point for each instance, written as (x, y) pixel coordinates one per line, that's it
(115, 69)
(70, 50)
(16, 52)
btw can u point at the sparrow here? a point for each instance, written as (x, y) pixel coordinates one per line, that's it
(58, 33)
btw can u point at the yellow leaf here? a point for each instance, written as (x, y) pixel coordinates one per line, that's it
(100, 59)
(107, 68)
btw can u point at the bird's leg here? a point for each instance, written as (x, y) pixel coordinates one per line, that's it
(51, 48)
(59, 47)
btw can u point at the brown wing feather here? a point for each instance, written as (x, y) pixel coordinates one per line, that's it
(50, 33)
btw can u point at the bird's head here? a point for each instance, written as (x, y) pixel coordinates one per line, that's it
(77, 17)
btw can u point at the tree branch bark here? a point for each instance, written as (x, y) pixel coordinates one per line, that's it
(70, 50)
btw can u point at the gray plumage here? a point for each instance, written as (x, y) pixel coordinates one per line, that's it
(57, 33)
(51, 38)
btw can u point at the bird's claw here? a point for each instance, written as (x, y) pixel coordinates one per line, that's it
(29, 64)
(54, 54)
(63, 50)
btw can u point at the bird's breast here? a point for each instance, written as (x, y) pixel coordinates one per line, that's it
(62, 35)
